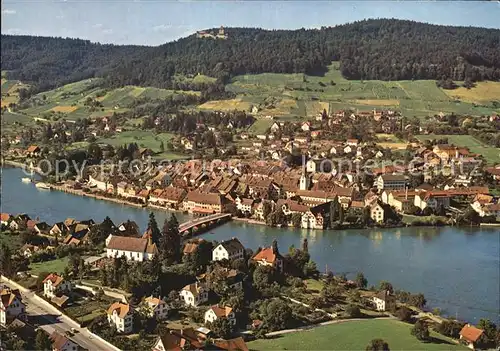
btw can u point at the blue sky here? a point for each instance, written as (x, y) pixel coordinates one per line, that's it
(156, 22)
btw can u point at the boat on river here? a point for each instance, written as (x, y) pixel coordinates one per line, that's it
(27, 180)
(41, 185)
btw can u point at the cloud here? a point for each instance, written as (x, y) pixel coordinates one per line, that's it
(162, 27)
(97, 26)
(8, 12)
(169, 27)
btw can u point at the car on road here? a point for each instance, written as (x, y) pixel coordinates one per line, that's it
(73, 330)
(69, 333)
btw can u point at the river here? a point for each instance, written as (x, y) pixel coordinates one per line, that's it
(457, 269)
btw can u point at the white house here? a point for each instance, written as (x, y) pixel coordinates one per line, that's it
(244, 205)
(11, 305)
(382, 300)
(156, 307)
(62, 343)
(194, 294)
(54, 285)
(133, 249)
(306, 126)
(377, 213)
(228, 250)
(121, 316)
(215, 312)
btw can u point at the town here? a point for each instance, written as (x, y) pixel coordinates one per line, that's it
(168, 184)
(110, 281)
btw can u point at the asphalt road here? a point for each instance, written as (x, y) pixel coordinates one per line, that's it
(50, 319)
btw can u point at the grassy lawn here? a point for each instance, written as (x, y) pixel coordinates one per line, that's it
(490, 153)
(57, 266)
(260, 126)
(13, 241)
(143, 139)
(354, 336)
(86, 311)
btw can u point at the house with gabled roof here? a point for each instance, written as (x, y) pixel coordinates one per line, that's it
(6, 218)
(228, 250)
(194, 294)
(216, 312)
(120, 315)
(54, 285)
(62, 342)
(11, 305)
(471, 336)
(269, 256)
(156, 307)
(132, 248)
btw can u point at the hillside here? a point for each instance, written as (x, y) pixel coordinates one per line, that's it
(382, 49)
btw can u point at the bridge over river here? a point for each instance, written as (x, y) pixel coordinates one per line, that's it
(199, 225)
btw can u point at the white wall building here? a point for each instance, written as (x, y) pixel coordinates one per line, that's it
(156, 307)
(215, 312)
(11, 305)
(194, 294)
(133, 249)
(121, 316)
(54, 285)
(228, 250)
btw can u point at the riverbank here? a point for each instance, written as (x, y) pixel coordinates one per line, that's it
(95, 196)
(15, 164)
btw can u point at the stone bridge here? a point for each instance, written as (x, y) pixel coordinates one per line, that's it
(199, 225)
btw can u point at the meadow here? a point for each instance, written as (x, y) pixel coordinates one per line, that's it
(418, 98)
(490, 153)
(144, 139)
(354, 335)
(56, 266)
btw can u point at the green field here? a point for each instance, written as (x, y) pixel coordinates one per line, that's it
(414, 98)
(490, 153)
(144, 139)
(354, 335)
(56, 266)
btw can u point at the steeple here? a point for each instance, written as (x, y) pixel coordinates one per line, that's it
(304, 179)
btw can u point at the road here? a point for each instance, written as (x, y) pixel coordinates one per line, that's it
(50, 319)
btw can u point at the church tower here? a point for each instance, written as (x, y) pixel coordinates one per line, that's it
(304, 179)
(221, 31)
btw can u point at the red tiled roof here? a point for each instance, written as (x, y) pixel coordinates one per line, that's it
(5, 217)
(221, 311)
(121, 308)
(471, 333)
(54, 278)
(266, 255)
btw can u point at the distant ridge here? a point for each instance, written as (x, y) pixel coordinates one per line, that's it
(385, 49)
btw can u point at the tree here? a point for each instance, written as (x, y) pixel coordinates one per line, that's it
(263, 276)
(450, 328)
(297, 220)
(222, 327)
(341, 215)
(310, 269)
(489, 329)
(353, 311)
(421, 331)
(404, 314)
(386, 286)
(418, 300)
(361, 281)
(42, 341)
(153, 230)
(5, 260)
(377, 345)
(170, 241)
(276, 314)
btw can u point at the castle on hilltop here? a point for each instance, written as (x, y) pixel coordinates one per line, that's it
(220, 35)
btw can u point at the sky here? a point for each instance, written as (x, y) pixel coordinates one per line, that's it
(154, 22)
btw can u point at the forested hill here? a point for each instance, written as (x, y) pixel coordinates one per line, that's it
(383, 49)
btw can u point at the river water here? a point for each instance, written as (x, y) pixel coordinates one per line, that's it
(457, 269)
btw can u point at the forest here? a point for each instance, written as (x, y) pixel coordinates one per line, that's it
(385, 49)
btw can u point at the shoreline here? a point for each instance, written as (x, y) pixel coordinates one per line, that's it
(122, 201)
